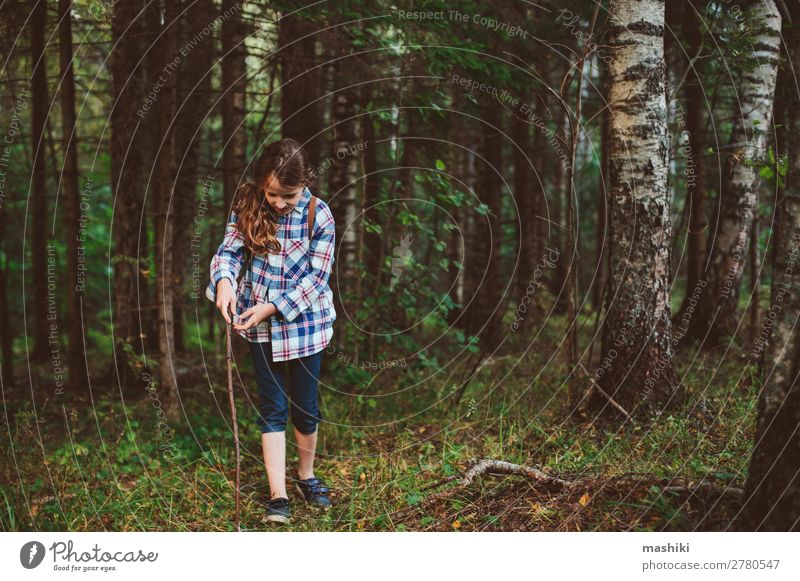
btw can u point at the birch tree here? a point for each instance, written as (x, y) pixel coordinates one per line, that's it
(716, 315)
(636, 368)
(344, 162)
(773, 488)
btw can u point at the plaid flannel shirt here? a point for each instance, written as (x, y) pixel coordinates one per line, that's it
(295, 280)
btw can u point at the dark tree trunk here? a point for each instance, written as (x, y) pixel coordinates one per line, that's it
(528, 195)
(167, 164)
(773, 487)
(459, 239)
(76, 268)
(524, 192)
(234, 83)
(154, 65)
(486, 310)
(692, 146)
(399, 239)
(636, 367)
(472, 272)
(540, 230)
(370, 241)
(301, 83)
(39, 293)
(601, 240)
(557, 140)
(131, 323)
(194, 87)
(7, 346)
(372, 183)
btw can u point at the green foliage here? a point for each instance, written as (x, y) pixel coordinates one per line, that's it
(774, 170)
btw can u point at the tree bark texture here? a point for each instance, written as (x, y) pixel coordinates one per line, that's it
(636, 366)
(716, 316)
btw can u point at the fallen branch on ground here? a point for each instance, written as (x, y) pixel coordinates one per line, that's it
(507, 468)
(496, 467)
(503, 468)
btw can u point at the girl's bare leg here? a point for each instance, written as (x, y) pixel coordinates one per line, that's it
(306, 447)
(273, 445)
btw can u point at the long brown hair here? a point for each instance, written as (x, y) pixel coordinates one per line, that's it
(257, 222)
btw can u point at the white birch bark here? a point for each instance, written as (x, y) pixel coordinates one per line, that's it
(636, 367)
(717, 312)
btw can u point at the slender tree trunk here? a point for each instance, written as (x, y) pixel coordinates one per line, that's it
(458, 239)
(558, 227)
(39, 178)
(400, 240)
(131, 323)
(194, 87)
(370, 243)
(573, 243)
(154, 64)
(755, 279)
(8, 334)
(540, 227)
(636, 367)
(234, 106)
(486, 310)
(9, 311)
(772, 491)
(164, 222)
(343, 160)
(717, 310)
(692, 145)
(601, 240)
(76, 268)
(474, 253)
(372, 183)
(524, 193)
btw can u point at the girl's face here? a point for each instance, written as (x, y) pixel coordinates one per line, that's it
(281, 199)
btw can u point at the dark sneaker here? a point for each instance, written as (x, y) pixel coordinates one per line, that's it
(278, 510)
(314, 492)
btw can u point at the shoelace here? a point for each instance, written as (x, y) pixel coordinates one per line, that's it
(315, 486)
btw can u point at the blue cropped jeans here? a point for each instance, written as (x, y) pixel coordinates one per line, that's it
(286, 385)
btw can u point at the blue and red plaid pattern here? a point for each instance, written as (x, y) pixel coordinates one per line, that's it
(295, 280)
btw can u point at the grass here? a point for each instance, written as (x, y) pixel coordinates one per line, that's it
(103, 466)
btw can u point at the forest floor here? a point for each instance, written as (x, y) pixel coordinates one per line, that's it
(94, 465)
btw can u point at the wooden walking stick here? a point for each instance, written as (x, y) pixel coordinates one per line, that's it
(233, 415)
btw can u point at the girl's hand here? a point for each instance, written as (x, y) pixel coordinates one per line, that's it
(255, 315)
(226, 300)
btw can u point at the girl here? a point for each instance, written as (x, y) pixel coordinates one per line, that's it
(285, 305)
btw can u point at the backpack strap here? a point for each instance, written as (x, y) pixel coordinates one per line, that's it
(311, 207)
(245, 267)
